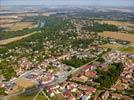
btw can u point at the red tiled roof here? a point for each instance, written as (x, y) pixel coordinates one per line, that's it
(91, 89)
(115, 95)
(127, 98)
(87, 67)
(83, 87)
(90, 73)
(96, 98)
(77, 79)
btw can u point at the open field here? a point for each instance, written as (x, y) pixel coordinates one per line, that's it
(129, 25)
(128, 49)
(118, 35)
(117, 23)
(29, 97)
(8, 21)
(18, 26)
(112, 46)
(8, 25)
(25, 83)
(21, 25)
(10, 40)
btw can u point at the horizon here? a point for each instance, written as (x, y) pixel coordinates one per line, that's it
(114, 3)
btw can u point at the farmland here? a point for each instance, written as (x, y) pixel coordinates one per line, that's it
(21, 25)
(10, 40)
(29, 97)
(128, 49)
(12, 25)
(117, 23)
(118, 35)
(112, 46)
(129, 25)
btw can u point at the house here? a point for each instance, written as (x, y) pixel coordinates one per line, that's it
(116, 96)
(84, 78)
(90, 74)
(69, 95)
(84, 96)
(50, 92)
(127, 98)
(83, 87)
(78, 79)
(105, 95)
(88, 67)
(2, 85)
(96, 98)
(91, 89)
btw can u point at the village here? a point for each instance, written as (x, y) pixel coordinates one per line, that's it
(68, 58)
(72, 83)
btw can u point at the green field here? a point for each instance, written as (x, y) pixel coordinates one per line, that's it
(128, 49)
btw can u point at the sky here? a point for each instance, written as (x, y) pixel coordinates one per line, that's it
(69, 2)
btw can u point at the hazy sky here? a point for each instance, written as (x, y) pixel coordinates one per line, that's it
(69, 2)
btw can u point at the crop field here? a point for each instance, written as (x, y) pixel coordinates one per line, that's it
(10, 40)
(128, 49)
(129, 25)
(18, 26)
(118, 23)
(118, 35)
(29, 97)
(112, 46)
(8, 21)
(21, 25)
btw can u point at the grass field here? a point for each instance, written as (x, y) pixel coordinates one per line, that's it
(10, 40)
(30, 97)
(128, 49)
(118, 35)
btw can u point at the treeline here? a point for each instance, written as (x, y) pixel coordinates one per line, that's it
(97, 27)
(107, 78)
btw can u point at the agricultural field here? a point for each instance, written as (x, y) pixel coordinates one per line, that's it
(10, 40)
(29, 97)
(128, 49)
(118, 35)
(8, 20)
(15, 26)
(21, 25)
(129, 25)
(124, 48)
(112, 46)
(117, 23)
